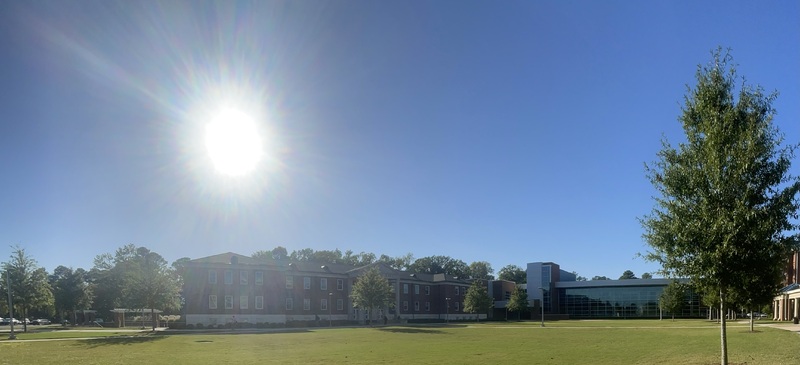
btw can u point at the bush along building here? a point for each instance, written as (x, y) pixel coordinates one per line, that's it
(229, 288)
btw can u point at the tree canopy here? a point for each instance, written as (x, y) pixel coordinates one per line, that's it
(440, 265)
(481, 270)
(477, 299)
(518, 301)
(725, 198)
(372, 290)
(672, 298)
(627, 275)
(513, 273)
(29, 286)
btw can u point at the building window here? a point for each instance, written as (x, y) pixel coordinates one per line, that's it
(290, 282)
(339, 284)
(229, 302)
(405, 288)
(244, 302)
(339, 304)
(306, 304)
(212, 277)
(323, 304)
(427, 290)
(228, 277)
(259, 278)
(242, 277)
(456, 304)
(212, 302)
(456, 290)
(427, 306)
(416, 289)
(306, 282)
(259, 302)
(289, 304)
(405, 306)
(416, 306)
(323, 284)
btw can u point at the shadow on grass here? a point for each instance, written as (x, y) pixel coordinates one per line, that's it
(237, 332)
(413, 330)
(118, 340)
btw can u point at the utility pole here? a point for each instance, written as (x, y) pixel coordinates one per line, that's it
(12, 336)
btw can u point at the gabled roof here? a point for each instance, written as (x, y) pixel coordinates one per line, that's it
(226, 258)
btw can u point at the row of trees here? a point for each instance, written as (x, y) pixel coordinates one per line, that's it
(133, 277)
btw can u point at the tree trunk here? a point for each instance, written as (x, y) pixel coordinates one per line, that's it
(153, 317)
(722, 329)
(752, 319)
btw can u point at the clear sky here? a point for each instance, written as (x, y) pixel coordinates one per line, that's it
(510, 132)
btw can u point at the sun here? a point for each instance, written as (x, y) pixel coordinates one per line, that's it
(233, 142)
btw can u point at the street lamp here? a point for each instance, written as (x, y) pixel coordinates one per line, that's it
(330, 308)
(447, 316)
(541, 304)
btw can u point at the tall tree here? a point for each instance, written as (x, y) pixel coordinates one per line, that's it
(578, 277)
(600, 278)
(513, 273)
(28, 282)
(151, 283)
(672, 298)
(477, 299)
(279, 253)
(518, 301)
(481, 270)
(727, 199)
(399, 262)
(71, 291)
(627, 275)
(647, 275)
(372, 290)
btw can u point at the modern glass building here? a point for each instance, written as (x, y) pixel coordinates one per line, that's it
(634, 298)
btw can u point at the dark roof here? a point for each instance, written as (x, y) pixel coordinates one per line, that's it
(790, 287)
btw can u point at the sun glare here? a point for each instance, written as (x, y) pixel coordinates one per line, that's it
(233, 142)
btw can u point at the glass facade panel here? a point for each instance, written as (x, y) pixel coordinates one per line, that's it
(621, 302)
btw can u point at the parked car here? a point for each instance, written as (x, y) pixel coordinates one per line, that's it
(4, 322)
(757, 315)
(40, 321)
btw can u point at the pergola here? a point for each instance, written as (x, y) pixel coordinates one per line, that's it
(120, 313)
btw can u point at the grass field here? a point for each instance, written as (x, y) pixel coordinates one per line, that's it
(563, 342)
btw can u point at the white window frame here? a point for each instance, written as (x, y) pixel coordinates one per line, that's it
(212, 301)
(229, 302)
(289, 304)
(339, 284)
(416, 306)
(290, 282)
(456, 290)
(306, 304)
(323, 304)
(427, 290)
(307, 282)
(323, 283)
(228, 277)
(456, 306)
(243, 277)
(405, 306)
(259, 302)
(427, 306)
(244, 302)
(212, 277)
(405, 288)
(259, 279)
(416, 289)
(339, 304)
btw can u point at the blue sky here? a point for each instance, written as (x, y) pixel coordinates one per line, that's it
(509, 132)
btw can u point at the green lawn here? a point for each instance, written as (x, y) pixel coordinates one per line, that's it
(563, 342)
